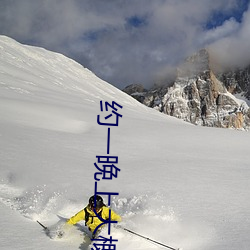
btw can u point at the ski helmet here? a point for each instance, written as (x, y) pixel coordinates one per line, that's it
(99, 202)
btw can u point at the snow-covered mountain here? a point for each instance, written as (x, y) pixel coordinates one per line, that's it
(182, 185)
(201, 96)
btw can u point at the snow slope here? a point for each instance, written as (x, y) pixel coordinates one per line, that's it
(179, 184)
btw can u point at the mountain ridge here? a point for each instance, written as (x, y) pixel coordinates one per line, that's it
(200, 95)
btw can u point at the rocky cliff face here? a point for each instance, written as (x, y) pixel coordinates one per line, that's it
(201, 97)
(237, 81)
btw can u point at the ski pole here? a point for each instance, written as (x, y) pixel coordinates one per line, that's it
(159, 243)
(45, 228)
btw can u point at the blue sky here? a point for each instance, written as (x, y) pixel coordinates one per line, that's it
(131, 41)
(218, 17)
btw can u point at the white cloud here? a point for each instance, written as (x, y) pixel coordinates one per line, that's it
(228, 28)
(97, 32)
(233, 49)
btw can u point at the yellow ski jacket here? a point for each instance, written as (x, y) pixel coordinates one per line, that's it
(93, 220)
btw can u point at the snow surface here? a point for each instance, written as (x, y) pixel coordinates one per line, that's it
(183, 185)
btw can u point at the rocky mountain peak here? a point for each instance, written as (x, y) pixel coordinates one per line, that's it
(200, 96)
(197, 64)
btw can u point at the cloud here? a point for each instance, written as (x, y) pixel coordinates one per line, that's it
(232, 50)
(228, 28)
(121, 41)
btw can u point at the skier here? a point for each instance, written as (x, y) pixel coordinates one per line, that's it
(91, 219)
